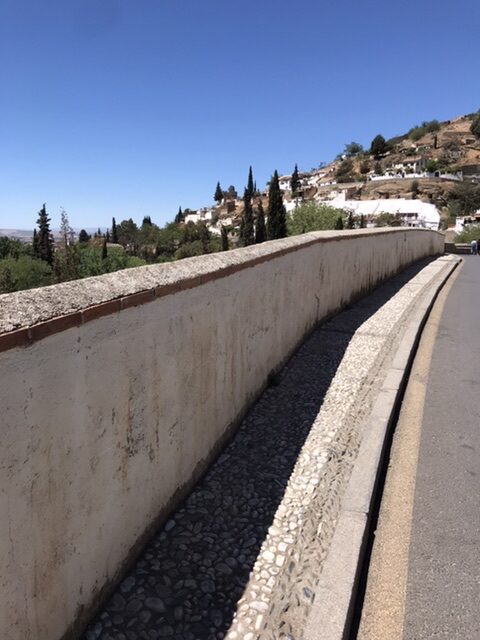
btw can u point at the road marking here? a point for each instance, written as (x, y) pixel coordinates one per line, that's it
(383, 609)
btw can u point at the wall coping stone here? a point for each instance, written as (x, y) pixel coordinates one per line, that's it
(27, 316)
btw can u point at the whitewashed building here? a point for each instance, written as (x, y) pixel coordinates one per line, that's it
(413, 213)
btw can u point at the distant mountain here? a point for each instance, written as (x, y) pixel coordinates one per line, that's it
(25, 235)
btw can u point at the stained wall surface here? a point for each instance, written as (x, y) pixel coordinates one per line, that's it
(109, 413)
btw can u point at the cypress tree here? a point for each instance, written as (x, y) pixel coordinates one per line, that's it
(260, 230)
(350, 222)
(250, 186)
(339, 223)
(179, 217)
(218, 197)
(147, 220)
(83, 236)
(35, 246)
(363, 223)
(114, 233)
(277, 215)
(104, 249)
(295, 182)
(248, 228)
(107, 236)
(45, 240)
(225, 245)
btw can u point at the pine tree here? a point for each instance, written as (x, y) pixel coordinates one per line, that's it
(248, 228)
(250, 186)
(179, 217)
(350, 222)
(45, 240)
(114, 233)
(260, 230)
(378, 147)
(83, 236)
(225, 245)
(295, 182)
(277, 215)
(147, 220)
(218, 197)
(339, 223)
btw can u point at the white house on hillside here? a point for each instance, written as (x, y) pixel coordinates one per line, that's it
(413, 213)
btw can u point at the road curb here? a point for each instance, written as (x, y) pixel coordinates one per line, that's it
(331, 615)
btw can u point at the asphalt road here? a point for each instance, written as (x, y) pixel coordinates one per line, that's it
(424, 572)
(443, 580)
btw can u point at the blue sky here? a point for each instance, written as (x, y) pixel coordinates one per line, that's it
(128, 108)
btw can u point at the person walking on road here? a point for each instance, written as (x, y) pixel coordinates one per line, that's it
(474, 248)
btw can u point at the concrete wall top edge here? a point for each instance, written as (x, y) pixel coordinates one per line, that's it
(35, 313)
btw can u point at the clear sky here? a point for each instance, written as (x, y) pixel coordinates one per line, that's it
(128, 108)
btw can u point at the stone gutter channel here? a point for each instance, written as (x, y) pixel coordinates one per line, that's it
(268, 544)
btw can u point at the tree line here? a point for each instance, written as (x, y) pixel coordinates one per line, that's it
(45, 261)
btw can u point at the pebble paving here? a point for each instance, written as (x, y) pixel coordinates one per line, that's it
(187, 582)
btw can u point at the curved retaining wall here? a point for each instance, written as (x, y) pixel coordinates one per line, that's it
(117, 391)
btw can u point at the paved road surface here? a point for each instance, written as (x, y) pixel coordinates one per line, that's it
(443, 586)
(424, 577)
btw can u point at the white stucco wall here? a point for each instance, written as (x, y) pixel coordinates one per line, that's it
(103, 423)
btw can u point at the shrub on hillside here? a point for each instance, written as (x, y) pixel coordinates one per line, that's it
(311, 216)
(472, 232)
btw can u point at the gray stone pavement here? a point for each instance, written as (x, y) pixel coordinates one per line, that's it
(443, 584)
(187, 582)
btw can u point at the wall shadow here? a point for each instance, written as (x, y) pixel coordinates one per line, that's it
(187, 581)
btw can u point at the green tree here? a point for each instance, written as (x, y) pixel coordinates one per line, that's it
(35, 244)
(470, 232)
(10, 248)
(387, 220)
(260, 228)
(45, 239)
(147, 220)
(104, 249)
(180, 217)
(248, 233)
(312, 216)
(467, 195)
(276, 224)
(414, 189)
(431, 165)
(66, 259)
(295, 182)
(378, 169)
(24, 273)
(350, 221)
(339, 223)
(475, 126)
(250, 186)
(379, 147)
(218, 197)
(364, 167)
(83, 236)
(344, 171)
(114, 233)
(224, 238)
(353, 149)
(7, 283)
(127, 232)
